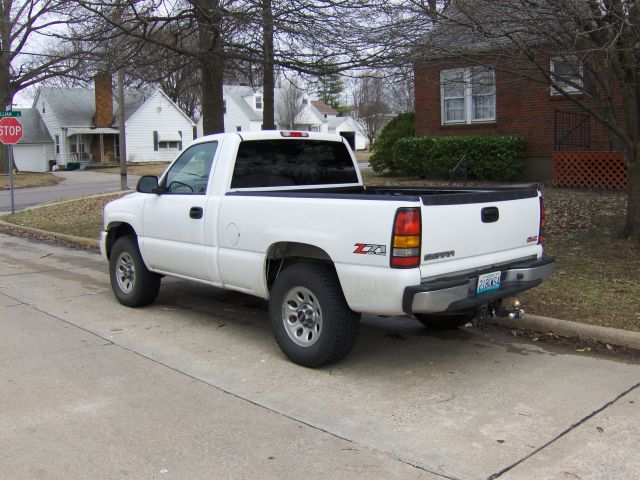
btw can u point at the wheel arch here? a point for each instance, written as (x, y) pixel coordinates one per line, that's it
(281, 254)
(116, 230)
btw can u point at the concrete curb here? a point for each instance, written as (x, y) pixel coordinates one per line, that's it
(565, 328)
(86, 242)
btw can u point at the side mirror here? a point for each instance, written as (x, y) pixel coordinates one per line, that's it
(147, 184)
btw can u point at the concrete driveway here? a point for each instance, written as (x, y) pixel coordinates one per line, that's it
(195, 387)
(76, 183)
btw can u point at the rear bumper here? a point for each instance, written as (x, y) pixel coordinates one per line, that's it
(460, 293)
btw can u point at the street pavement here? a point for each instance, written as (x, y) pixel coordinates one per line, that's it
(76, 183)
(195, 387)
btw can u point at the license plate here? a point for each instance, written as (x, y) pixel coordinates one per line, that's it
(488, 282)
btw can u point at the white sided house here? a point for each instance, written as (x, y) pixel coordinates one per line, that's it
(243, 109)
(34, 150)
(83, 124)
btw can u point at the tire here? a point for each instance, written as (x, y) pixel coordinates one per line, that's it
(131, 282)
(309, 315)
(443, 321)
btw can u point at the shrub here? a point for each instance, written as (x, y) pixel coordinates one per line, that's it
(489, 157)
(402, 126)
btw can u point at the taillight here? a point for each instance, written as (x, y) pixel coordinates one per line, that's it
(542, 223)
(407, 237)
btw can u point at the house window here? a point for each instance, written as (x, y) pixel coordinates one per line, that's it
(224, 106)
(258, 102)
(468, 95)
(238, 128)
(314, 128)
(116, 146)
(566, 72)
(167, 141)
(57, 143)
(77, 147)
(169, 145)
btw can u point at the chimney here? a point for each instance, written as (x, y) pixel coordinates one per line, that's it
(104, 100)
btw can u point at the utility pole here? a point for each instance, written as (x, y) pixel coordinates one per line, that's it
(121, 112)
(123, 141)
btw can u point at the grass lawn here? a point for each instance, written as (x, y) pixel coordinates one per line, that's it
(597, 279)
(152, 168)
(82, 217)
(28, 179)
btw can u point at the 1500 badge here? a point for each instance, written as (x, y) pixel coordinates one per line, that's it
(370, 249)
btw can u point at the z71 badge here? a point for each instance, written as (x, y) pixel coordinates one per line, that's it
(370, 249)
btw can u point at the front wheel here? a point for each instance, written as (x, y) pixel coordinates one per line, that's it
(309, 315)
(132, 283)
(445, 321)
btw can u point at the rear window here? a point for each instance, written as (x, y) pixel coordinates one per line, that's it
(281, 163)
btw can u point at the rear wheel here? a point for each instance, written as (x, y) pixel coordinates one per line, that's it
(132, 283)
(445, 321)
(309, 315)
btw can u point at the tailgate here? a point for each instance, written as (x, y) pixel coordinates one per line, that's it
(478, 225)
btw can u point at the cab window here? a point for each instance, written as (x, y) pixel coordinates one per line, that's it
(190, 173)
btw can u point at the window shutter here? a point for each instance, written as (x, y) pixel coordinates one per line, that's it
(195, 132)
(180, 142)
(155, 141)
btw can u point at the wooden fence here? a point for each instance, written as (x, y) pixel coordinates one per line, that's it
(587, 169)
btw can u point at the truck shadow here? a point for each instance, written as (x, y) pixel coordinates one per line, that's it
(394, 341)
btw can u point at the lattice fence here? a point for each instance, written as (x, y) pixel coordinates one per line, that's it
(589, 170)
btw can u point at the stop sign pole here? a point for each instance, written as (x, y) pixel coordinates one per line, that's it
(11, 132)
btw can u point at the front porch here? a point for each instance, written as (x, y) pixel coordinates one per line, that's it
(93, 146)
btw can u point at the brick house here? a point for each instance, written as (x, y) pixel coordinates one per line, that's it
(459, 94)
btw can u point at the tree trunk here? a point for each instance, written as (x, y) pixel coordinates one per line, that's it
(632, 225)
(212, 97)
(268, 107)
(6, 98)
(212, 63)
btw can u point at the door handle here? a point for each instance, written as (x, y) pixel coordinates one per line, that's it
(490, 214)
(196, 212)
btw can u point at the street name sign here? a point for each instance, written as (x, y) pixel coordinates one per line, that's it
(11, 113)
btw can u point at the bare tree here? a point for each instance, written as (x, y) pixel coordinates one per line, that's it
(178, 76)
(596, 42)
(23, 25)
(370, 105)
(400, 89)
(290, 104)
(190, 28)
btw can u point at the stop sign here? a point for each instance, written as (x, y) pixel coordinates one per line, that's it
(10, 130)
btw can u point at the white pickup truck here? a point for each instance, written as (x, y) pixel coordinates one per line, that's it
(285, 216)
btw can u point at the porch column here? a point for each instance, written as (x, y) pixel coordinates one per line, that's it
(101, 148)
